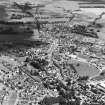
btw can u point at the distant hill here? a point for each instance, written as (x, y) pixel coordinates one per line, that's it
(98, 1)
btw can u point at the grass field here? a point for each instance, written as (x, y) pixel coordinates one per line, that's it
(86, 70)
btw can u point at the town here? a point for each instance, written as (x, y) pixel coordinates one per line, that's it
(50, 59)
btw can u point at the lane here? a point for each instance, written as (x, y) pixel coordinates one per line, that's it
(52, 48)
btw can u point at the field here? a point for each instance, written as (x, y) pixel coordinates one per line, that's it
(85, 69)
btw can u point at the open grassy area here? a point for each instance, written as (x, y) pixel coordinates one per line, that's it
(86, 70)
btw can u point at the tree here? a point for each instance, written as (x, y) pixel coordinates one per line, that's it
(102, 73)
(83, 78)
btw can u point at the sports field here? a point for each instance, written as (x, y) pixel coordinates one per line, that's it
(85, 69)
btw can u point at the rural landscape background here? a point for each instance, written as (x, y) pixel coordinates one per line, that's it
(88, 9)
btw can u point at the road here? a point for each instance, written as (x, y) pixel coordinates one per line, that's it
(52, 48)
